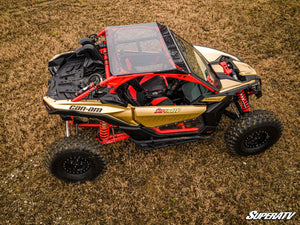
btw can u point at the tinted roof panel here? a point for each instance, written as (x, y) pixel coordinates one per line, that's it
(142, 48)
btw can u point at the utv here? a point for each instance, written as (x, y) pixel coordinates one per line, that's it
(145, 83)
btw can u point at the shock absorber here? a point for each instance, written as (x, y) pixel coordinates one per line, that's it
(104, 131)
(243, 101)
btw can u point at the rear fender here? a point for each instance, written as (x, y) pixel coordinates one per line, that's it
(90, 108)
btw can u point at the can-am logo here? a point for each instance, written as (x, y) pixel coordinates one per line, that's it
(254, 215)
(159, 110)
(85, 108)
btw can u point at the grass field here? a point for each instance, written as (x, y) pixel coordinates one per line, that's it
(197, 183)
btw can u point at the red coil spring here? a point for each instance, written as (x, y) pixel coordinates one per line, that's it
(104, 130)
(243, 101)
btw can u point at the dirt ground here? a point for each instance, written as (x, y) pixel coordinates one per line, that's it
(197, 183)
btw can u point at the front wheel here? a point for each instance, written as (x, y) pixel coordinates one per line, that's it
(75, 158)
(253, 133)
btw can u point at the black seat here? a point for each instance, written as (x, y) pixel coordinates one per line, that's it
(88, 49)
(151, 91)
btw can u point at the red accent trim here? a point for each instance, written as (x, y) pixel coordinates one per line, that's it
(112, 91)
(106, 63)
(225, 68)
(178, 67)
(189, 77)
(181, 125)
(243, 101)
(208, 78)
(102, 33)
(104, 132)
(209, 88)
(132, 92)
(158, 100)
(145, 79)
(114, 138)
(165, 80)
(116, 81)
(84, 94)
(85, 125)
(175, 130)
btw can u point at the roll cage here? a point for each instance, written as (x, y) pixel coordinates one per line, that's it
(150, 49)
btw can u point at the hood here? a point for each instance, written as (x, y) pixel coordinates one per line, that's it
(212, 55)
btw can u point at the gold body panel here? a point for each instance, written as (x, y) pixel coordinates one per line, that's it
(149, 116)
(244, 68)
(95, 107)
(213, 99)
(228, 85)
(217, 68)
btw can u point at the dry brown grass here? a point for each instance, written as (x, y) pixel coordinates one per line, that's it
(197, 183)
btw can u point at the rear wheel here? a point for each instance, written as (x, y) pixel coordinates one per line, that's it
(253, 133)
(75, 158)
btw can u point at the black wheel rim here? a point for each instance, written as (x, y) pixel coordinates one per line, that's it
(256, 139)
(76, 165)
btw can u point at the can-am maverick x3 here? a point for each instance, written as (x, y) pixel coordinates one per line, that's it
(145, 83)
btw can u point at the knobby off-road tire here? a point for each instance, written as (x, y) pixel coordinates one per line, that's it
(75, 158)
(253, 133)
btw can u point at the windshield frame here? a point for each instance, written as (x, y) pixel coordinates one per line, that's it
(216, 81)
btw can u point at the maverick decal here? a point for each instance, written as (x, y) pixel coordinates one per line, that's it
(85, 109)
(159, 110)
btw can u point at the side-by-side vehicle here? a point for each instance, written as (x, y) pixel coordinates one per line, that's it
(145, 83)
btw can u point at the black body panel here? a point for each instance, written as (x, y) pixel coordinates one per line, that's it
(214, 111)
(71, 72)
